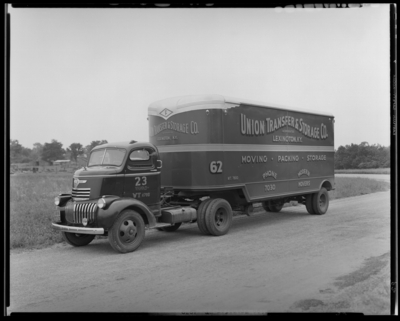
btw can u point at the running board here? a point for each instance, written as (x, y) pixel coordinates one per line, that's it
(159, 225)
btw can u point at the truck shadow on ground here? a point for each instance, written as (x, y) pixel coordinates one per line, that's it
(190, 232)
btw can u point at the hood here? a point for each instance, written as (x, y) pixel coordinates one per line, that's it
(88, 182)
(98, 171)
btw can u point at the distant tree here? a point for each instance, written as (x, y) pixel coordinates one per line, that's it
(52, 151)
(36, 152)
(18, 153)
(93, 144)
(75, 149)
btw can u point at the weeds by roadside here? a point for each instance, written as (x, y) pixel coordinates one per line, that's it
(32, 208)
(354, 186)
(363, 171)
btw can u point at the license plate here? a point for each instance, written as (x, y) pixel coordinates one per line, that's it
(57, 215)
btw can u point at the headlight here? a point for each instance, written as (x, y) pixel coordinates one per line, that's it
(57, 200)
(101, 203)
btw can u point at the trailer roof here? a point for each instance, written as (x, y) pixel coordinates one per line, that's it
(185, 103)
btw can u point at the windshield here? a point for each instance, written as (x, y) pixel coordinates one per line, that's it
(107, 156)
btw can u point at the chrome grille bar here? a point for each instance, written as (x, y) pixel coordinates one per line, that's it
(81, 194)
(84, 210)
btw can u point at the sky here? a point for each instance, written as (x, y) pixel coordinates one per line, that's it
(79, 75)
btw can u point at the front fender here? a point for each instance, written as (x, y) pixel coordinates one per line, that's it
(107, 216)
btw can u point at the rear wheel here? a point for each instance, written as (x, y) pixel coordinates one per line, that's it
(201, 216)
(275, 207)
(249, 209)
(266, 207)
(171, 228)
(309, 203)
(127, 232)
(218, 217)
(321, 201)
(77, 239)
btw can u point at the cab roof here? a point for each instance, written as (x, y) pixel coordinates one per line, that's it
(171, 106)
(125, 144)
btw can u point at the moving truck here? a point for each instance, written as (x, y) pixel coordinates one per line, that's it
(208, 156)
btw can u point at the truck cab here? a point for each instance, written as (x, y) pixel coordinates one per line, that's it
(119, 178)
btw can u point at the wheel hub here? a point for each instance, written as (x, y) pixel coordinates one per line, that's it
(219, 218)
(128, 231)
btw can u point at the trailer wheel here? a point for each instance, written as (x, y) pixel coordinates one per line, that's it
(201, 223)
(171, 228)
(249, 209)
(77, 239)
(266, 207)
(127, 232)
(275, 207)
(321, 201)
(218, 217)
(309, 203)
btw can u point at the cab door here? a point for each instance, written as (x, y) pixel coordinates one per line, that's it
(142, 177)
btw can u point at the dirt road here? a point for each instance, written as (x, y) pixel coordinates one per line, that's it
(269, 262)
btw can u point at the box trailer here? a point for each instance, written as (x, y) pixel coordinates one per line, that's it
(241, 150)
(207, 156)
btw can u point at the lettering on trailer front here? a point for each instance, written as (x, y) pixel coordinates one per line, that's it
(260, 127)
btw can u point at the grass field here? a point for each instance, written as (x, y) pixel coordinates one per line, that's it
(32, 204)
(32, 208)
(354, 186)
(363, 171)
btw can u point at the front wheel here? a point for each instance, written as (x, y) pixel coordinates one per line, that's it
(127, 232)
(77, 239)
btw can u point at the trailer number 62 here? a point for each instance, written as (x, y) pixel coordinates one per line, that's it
(216, 167)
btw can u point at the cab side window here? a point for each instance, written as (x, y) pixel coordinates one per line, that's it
(141, 159)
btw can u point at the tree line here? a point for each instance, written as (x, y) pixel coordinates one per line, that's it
(49, 152)
(362, 156)
(346, 157)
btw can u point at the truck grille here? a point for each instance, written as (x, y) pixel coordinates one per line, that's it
(81, 194)
(84, 210)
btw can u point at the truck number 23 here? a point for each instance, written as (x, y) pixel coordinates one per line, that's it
(140, 181)
(216, 167)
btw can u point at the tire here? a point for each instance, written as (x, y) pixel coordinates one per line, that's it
(321, 201)
(249, 209)
(309, 203)
(275, 207)
(171, 228)
(127, 232)
(218, 217)
(266, 207)
(201, 223)
(77, 239)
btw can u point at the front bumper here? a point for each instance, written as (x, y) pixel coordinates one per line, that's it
(78, 230)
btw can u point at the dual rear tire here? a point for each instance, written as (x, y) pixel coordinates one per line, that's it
(318, 203)
(214, 217)
(271, 206)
